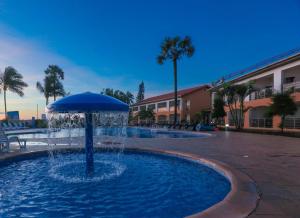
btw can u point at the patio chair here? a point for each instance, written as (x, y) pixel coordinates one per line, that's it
(185, 127)
(5, 141)
(13, 125)
(5, 126)
(191, 127)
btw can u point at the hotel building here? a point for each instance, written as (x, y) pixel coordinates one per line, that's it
(190, 101)
(278, 74)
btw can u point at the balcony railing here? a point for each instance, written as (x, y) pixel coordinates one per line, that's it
(293, 86)
(231, 122)
(261, 123)
(292, 123)
(263, 93)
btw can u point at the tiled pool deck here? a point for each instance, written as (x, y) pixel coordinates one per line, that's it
(273, 162)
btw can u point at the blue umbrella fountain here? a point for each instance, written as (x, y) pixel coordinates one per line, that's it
(91, 105)
(90, 185)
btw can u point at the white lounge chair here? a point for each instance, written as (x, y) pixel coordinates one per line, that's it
(5, 141)
(5, 126)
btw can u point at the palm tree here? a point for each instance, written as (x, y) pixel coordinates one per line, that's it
(55, 74)
(173, 49)
(45, 88)
(234, 98)
(12, 81)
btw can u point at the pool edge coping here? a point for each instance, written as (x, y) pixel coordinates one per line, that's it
(241, 201)
(243, 197)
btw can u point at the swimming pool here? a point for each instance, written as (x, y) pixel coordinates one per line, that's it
(130, 132)
(133, 184)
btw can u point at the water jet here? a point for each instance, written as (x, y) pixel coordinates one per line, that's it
(89, 104)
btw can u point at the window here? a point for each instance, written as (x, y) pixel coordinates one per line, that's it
(151, 106)
(289, 79)
(171, 117)
(142, 108)
(162, 119)
(162, 104)
(135, 109)
(172, 103)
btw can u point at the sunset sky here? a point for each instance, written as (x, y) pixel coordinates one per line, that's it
(114, 44)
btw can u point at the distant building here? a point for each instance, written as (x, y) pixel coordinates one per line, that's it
(13, 115)
(44, 117)
(190, 102)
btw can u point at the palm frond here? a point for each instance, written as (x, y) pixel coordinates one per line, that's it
(13, 81)
(55, 71)
(40, 87)
(175, 48)
(161, 59)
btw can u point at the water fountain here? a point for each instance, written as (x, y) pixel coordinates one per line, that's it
(92, 105)
(103, 183)
(137, 183)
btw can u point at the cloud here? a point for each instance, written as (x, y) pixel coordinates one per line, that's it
(31, 59)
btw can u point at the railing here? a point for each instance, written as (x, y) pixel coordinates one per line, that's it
(255, 67)
(293, 86)
(263, 93)
(231, 122)
(261, 122)
(292, 123)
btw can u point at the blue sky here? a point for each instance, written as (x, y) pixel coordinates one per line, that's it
(115, 43)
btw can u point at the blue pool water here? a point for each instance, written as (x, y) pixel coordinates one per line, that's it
(134, 132)
(131, 132)
(132, 184)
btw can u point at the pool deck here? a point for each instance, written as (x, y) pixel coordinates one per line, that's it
(273, 162)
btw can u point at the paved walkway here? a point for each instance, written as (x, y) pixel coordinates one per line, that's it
(273, 162)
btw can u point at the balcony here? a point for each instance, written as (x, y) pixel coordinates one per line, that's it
(263, 93)
(293, 86)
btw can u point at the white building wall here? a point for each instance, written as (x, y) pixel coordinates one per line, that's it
(277, 84)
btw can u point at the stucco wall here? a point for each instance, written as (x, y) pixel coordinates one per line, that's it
(199, 100)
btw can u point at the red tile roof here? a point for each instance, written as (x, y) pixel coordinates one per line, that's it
(170, 95)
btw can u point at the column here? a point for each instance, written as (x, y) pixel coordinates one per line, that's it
(277, 80)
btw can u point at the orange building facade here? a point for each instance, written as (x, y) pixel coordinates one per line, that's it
(278, 76)
(190, 102)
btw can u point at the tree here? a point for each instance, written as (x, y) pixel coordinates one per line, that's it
(218, 109)
(201, 117)
(174, 49)
(55, 74)
(129, 97)
(234, 98)
(147, 114)
(12, 81)
(45, 88)
(282, 105)
(141, 93)
(122, 96)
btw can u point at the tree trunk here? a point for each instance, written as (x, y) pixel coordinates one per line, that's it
(241, 115)
(5, 109)
(54, 90)
(175, 91)
(282, 123)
